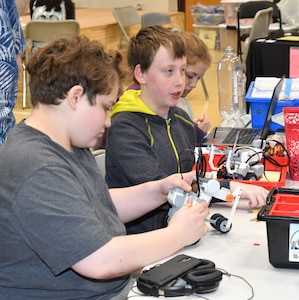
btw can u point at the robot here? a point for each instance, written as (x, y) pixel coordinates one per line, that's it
(240, 164)
(208, 188)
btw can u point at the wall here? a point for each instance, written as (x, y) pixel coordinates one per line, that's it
(23, 6)
(209, 2)
(162, 5)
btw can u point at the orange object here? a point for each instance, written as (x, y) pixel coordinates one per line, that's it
(230, 198)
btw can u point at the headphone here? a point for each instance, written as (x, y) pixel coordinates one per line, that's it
(204, 278)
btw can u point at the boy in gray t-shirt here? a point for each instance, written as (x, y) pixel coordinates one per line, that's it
(61, 229)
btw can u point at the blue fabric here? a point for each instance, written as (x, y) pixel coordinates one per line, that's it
(12, 42)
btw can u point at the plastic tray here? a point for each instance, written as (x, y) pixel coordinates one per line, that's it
(207, 19)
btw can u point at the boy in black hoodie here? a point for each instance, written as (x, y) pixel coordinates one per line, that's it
(150, 137)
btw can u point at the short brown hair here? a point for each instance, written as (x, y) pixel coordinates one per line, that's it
(146, 43)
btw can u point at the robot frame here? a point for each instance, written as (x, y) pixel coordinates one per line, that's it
(241, 163)
(208, 188)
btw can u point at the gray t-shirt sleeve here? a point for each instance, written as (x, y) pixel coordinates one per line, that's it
(65, 220)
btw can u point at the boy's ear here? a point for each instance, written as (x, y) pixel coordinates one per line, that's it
(139, 75)
(74, 95)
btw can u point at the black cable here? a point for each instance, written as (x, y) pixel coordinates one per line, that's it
(221, 160)
(224, 272)
(200, 166)
(271, 159)
(266, 157)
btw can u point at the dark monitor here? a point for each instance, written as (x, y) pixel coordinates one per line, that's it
(272, 106)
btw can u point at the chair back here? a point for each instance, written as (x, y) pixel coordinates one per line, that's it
(260, 27)
(99, 156)
(248, 10)
(45, 31)
(155, 18)
(39, 33)
(125, 17)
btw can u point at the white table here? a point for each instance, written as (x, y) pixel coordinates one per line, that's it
(243, 252)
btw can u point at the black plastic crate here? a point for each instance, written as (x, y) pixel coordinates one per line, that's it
(281, 214)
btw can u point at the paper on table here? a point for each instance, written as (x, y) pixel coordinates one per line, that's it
(294, 38)
(264, 86)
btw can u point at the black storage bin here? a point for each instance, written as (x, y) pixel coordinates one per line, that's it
(281, 214)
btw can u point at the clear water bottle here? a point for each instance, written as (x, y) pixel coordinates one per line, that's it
(231, 89)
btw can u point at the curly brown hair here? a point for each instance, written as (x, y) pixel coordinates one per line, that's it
(69, 61)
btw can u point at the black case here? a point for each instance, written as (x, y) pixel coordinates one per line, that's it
(281, 210)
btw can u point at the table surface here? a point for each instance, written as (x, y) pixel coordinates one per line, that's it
(242, 252)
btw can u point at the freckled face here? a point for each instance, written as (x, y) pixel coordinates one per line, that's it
(165, 79)
(91, 120)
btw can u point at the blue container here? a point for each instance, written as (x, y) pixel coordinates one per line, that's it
(259, 109)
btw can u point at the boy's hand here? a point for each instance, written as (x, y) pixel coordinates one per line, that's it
(256, 195)
(203, 123)
(182, 181)
(189, 222)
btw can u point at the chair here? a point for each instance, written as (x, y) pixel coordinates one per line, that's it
(155, 18)
(44, 32)
(248, 10)
(125, 16)
(99, 156)
(259, 29)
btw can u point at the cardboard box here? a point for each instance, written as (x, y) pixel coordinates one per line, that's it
(227, 37)
(282, 221)
(208, 34)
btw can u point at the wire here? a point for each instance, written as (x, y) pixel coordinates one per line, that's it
(274, 161)
(180, 154)
(263, 157)
(200, 166)
(224, 272)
